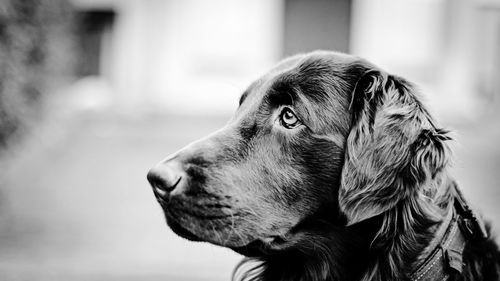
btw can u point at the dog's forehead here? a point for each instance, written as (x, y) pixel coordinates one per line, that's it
(266, 81)
(311, 72)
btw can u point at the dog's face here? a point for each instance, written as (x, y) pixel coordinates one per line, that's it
(277, 164)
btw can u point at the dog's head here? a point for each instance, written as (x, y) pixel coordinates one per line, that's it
(322, 137)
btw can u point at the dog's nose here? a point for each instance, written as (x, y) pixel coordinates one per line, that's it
(164, 178)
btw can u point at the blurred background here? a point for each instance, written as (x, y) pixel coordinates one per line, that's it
(95, 92)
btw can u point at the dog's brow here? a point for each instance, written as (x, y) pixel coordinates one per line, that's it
(282, 95)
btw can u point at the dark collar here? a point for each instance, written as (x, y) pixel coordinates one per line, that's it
(447, 257)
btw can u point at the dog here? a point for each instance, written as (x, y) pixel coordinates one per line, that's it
(330, 169)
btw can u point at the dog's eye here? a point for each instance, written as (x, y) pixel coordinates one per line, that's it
(288, 119)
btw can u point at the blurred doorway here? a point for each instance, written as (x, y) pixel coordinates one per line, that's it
(94, 29)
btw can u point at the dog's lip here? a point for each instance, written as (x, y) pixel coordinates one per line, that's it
(259, 247)
(207, 215)
(198, 208)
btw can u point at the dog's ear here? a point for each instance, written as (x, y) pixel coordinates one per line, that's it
(393, 150)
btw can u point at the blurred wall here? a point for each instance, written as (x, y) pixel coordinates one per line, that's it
(176, 53)
(448, 47)
(488, 44)
(316, 24)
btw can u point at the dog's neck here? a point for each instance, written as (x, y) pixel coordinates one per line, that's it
(323, 252)
(438, 231)
(410, 232)
(386, 247)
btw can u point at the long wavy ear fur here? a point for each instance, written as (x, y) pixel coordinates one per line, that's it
(392, 150)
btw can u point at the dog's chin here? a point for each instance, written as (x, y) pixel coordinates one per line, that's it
(256, 248)
(218, 231)
(181, 231)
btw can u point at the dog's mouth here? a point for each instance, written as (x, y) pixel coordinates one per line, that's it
(255, 248)
(210, 225)
(226, 228)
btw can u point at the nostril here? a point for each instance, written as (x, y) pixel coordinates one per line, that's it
(163, 180)
(169, 188)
